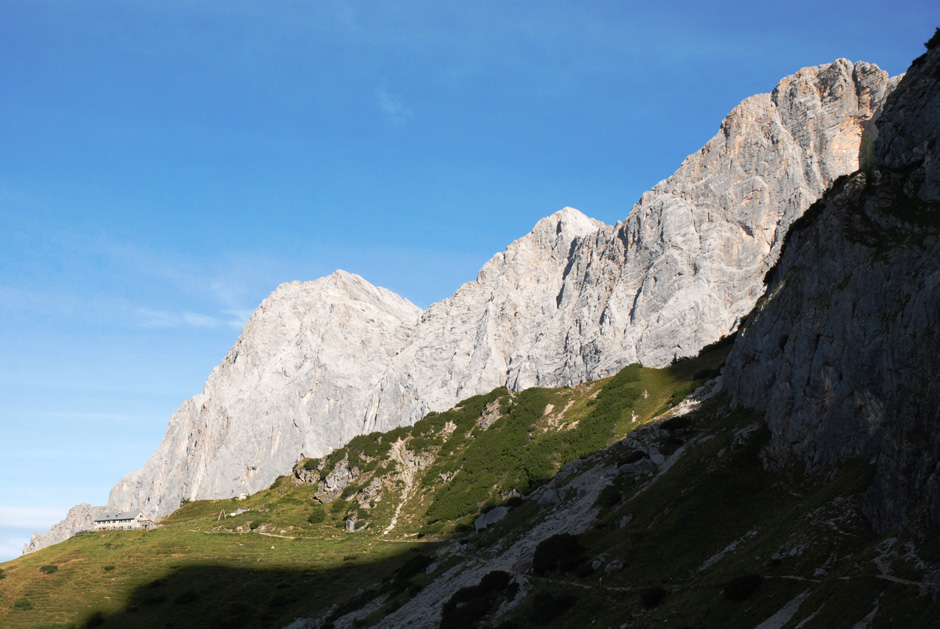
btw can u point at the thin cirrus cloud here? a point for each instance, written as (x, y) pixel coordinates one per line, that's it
(30, 517)
(93, 416)
(394, 107)
(150, 318)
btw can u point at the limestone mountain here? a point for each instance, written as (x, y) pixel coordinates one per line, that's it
(514, 513)
(572, 301)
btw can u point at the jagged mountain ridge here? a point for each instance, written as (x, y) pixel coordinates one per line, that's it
(588, 299)
(675, 276)
(684, 522)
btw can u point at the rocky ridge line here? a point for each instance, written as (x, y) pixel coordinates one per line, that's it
(576, 300)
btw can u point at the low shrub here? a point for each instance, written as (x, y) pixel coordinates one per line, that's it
(470, 604)
(49, 569)
(652, 597)
(547, 606)
(316, 516)
(676, 423)
(559, 552)
(610, 496)
(109, 567)
(414, 566)
(707, 373)
(154, 599)
(189, 596)
(281, 600)
(630, 373)
(633, 457)
(23, 604)
(310, 464)
(339, 506)
(430, 529)
(681, 393)
(741, 588)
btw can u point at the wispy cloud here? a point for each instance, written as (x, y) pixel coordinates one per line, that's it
(93, 416)
(149, 318)
(11, 546)
(394, 107)
(31, 517)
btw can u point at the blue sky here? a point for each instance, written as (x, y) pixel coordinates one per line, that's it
(165, 165)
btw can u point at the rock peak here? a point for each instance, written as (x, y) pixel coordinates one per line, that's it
(339, 283)
(568, 221)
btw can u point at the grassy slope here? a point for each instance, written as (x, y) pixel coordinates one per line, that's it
(197, 570)
(796, 534)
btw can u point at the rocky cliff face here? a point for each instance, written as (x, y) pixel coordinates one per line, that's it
(291, 386)
(574, 300)
(842, 356)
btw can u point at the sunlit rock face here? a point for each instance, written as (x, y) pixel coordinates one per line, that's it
(576, 300)
(573, 300)
(291, 386)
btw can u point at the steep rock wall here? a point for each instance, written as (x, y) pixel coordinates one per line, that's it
(842, 355)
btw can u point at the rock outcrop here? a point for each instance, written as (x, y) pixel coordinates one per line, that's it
(841, 354)
(572, 301)
(79, 518)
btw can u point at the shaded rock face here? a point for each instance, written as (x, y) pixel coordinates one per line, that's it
(574, 300)
(842, 356)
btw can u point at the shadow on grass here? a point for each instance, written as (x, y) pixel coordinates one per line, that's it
(222, 596)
